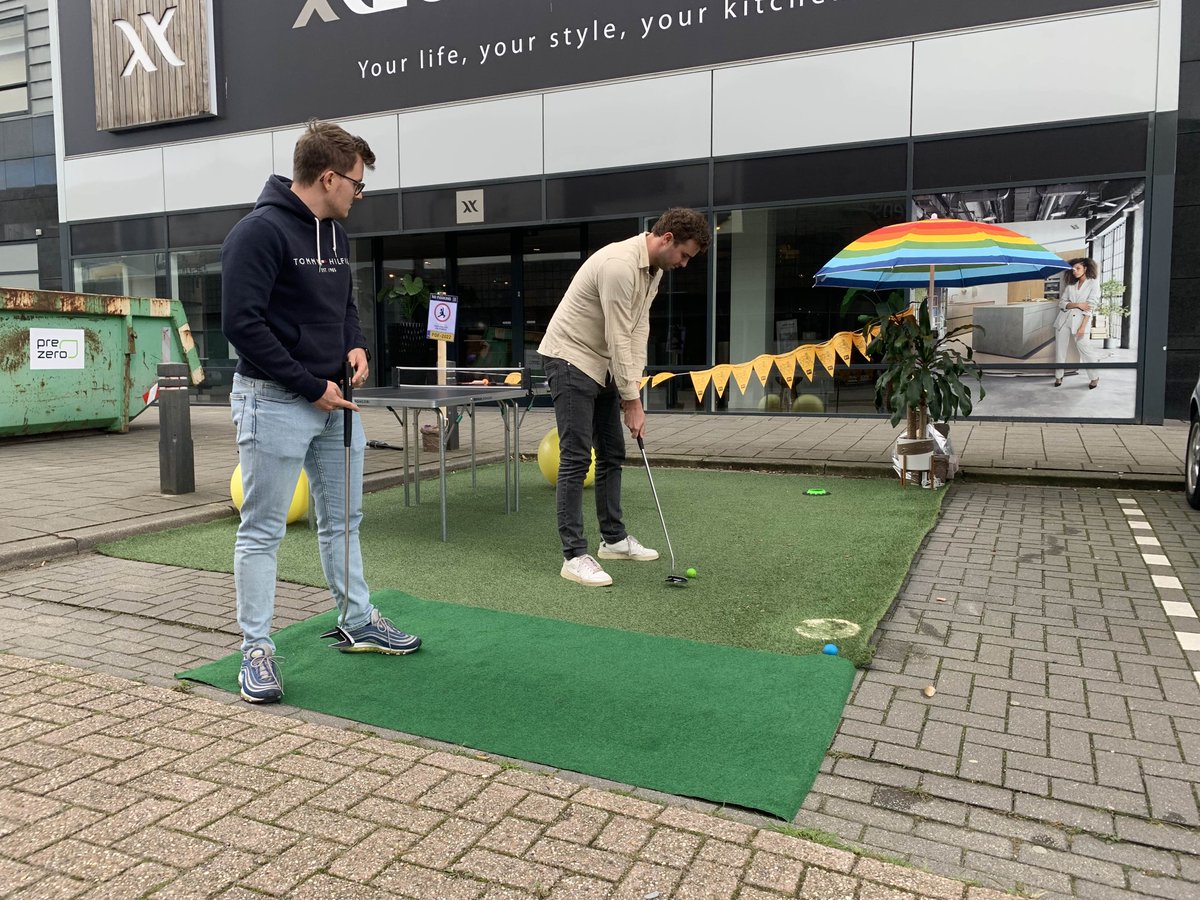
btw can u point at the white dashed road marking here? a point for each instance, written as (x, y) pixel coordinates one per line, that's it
(1175, 609)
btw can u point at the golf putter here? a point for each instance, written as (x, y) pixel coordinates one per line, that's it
(672, 579)
(340, 632)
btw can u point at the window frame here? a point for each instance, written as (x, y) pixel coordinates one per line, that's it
(21, 18)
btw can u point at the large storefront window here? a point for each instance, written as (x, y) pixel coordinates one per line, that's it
(399, 322)
(1015, 339)
(196, 283)
(135, 275)
(766, 302)
(550, 257)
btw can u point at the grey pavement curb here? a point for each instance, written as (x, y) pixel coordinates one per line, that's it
(77, 541)
(70, 543)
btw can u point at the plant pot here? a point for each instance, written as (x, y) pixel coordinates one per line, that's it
(917, 462)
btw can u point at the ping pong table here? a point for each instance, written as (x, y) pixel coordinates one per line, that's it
(439, 398)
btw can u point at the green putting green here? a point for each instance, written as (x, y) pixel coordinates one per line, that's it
(724, 724)
(777, 570)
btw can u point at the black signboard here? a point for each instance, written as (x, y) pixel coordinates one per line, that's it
(280, 62)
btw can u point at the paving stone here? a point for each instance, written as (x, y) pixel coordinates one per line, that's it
(819, 883)
(805, 851)
(568, 857)
(492, 867)
(86, 862)
(296, 864)
(372, 855)
(708, 881)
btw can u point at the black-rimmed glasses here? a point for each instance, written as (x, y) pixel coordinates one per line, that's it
(359, 186)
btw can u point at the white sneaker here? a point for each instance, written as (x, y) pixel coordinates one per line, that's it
(630, 548)
(585, 570)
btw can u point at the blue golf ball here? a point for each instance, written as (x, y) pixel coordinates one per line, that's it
(829, 649)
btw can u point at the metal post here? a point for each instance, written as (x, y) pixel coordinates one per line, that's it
(176, 460)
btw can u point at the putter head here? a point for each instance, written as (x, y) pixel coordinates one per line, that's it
(677, 581)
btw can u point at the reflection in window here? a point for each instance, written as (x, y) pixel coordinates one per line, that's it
(766, 302)
(196, 284)
(401, 316)
(14, 73)
(1102, 220)
(135, 275)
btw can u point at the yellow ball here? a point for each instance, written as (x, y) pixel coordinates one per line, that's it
(299, 507)
(548, 459)
(809, 403)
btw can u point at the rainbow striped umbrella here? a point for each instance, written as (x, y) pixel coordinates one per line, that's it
(960, 253)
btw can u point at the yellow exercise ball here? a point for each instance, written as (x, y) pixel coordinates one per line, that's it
(297, 511)
(548, 459)
(809, 403)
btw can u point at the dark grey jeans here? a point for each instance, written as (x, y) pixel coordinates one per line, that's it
(588, 415)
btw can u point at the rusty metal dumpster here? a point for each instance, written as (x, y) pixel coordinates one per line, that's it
(84, 361)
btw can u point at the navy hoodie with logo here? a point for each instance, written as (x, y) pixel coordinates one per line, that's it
(287, 303)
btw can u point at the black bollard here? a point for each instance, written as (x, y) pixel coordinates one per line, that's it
(176, 461)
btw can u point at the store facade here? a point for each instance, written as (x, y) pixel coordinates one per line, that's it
(515, 138)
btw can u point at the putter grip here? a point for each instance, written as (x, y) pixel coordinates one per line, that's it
(641, 444)
(347, 393)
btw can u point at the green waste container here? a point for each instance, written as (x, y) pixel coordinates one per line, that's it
(84, 361)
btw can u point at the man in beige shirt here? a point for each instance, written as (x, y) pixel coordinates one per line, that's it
(595, 353)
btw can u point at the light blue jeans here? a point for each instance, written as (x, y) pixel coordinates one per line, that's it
(278, 434)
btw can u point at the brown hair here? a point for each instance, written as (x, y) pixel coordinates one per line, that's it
(1090, 269)
(685, 225)
(325, 146)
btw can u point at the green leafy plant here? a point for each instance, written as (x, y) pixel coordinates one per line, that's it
(925, 375)
(410, 292)
(1111, 294)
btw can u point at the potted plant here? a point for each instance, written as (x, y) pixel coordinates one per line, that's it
(925, 376)
(1110, 311)
(407, 343)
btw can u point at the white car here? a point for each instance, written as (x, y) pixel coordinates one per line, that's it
(1191, 460)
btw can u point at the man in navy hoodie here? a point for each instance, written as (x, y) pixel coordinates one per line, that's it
(287, 306)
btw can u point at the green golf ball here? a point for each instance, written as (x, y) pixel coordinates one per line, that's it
(691, 573)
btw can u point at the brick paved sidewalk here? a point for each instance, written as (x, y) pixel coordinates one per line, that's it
(114, 789)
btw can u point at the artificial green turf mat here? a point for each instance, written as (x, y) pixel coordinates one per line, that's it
(728, 725)
(769, 556)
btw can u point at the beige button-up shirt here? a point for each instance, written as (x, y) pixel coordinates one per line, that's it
(602, 324)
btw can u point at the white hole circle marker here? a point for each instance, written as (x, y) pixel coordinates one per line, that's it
(826, 629)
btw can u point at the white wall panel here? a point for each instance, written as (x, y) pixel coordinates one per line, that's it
(1075, 68)
(471, 142)
(115, 184)
(632, 123)
(220, 172)
(1170, 27)
(832, 98)
(378, 131)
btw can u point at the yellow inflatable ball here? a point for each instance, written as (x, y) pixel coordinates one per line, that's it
(770, 402)
(297, 511)
(809, 403)
(548, 459)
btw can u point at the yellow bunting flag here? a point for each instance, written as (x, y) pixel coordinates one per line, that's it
(843, 345)
(860, 342)
(741, 374)
(700, 383)
(762, 367)
(825, 354)
(720, 378)
(786, 364)
(660, 378)
(804, 358)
